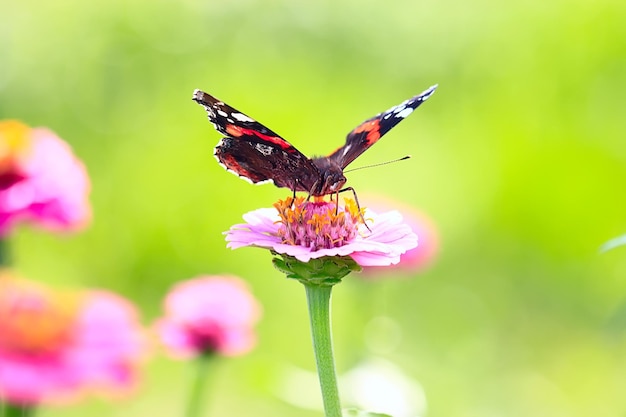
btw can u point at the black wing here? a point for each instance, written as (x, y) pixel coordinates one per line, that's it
(254, 152)
(370, 131)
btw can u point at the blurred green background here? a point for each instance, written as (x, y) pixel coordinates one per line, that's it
(519, 158)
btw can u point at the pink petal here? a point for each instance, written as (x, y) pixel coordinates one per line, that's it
(214, 313)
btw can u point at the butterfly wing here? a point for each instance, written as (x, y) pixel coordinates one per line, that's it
(370, 131)
(254, 152)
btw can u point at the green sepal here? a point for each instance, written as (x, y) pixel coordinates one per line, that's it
(325, 271)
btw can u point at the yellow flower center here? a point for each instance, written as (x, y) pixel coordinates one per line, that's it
(317, 224)
(15, 141)
(33, 319)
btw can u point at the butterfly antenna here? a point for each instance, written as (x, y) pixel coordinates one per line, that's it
(379, 164)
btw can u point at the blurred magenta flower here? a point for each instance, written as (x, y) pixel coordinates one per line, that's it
(309, 230)
(54, 345)
(40, 180)
(418, 258)
(209, 314)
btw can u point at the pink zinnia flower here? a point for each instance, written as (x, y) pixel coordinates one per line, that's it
(54, 344)
(209, 314)
(40, 180)
(314, 229)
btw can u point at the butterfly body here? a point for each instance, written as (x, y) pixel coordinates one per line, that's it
(257, 154)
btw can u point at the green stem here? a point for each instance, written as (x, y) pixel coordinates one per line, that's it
(4, 253)
(10, 410)
(318, 298)
(195, 404)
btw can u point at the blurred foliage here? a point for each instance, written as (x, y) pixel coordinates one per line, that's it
(519, 158)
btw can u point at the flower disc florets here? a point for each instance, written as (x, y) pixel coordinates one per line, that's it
(317, 224)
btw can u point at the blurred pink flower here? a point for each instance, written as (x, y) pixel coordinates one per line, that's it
(209, 314)
(309, 230)
(415, 259)
(53, 345)
(40, 180)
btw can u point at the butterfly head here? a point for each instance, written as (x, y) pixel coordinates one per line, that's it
(333, 182)
(331, 177)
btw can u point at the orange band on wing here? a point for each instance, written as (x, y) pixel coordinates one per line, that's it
(235, 131)
(372, 137)
(373, 130)
(238, 131)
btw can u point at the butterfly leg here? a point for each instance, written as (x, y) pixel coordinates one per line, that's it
(358, 206)
(308, 198)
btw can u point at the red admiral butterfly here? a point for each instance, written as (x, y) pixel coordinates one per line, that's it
(255, 153)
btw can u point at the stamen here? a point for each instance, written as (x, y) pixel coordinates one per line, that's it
(34, 320)
(317, 224)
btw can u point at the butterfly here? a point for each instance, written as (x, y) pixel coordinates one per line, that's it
(257, 154)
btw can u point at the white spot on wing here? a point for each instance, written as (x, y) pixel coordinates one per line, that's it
(405, 112)
(264, 149)
(242, 117)
(398, 108)
(222, 113)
